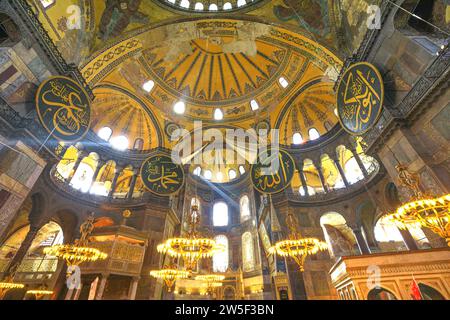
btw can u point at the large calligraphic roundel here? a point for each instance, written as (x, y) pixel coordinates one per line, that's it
(273, 171)
(64, 108)
(161, 175)
(360, 97)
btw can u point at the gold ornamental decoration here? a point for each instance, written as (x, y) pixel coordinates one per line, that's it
(79, 252)
(64, 108)
(296, 246)
(422, 210)
(360, 98)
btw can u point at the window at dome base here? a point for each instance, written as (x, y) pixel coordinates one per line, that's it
(119, 143)
(208, 6)
(220, 214)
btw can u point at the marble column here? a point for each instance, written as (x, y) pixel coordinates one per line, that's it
(132, 184)
(100, 164)
(114, 182)
(80, 158)
(408, 240)
(341, 171)
(361, 241)
(322, 179)
(133, 288)
(359, 161)
(101, 287)
(302, 177)
(23, 249)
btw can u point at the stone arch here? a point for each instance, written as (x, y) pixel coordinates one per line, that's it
(430, 293)
(9, 31)
(366, 219)
(339, 236)
(380, 293)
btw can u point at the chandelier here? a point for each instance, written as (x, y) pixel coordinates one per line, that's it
(169, 274)
(40, 292)
(79, 252)
(193, 247)
(297, 247)
(423, 210)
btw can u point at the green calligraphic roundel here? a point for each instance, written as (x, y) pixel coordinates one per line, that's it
(63, 108)
(359, 98)
(273, 171)
(161, 175)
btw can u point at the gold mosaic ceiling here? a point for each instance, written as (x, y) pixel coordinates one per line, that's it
(208, 63)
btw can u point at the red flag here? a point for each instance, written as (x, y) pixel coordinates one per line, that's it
(415, 291)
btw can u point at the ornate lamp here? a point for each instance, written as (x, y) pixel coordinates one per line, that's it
(297, 247)
(423, 210)
(169, 274)
(193, 247)
(79, 252)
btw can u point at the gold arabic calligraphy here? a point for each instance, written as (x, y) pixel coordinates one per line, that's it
(269, 182)
(360, 97)
(71, 114)
(164, 179)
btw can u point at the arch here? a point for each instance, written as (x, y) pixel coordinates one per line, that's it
(380, 294)
(338, 235)
(124, 182)
(429, 293)
(65, 166)
(229, 293)
(199, 6)
(102, 184)
(248, 252)
(220, 214)
(313, 134)
(221, 259)
(391, 195)
(227, 6)
(105, 133)
(331, 175)
(312, 178)
(138, 144)
(244, 205)
(349, 164)
(82, 179)
(9, 31)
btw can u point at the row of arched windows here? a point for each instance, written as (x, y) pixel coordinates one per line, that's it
(119, 142)
(220, 214)
(221, 260)
(297, 138)
(212, 7)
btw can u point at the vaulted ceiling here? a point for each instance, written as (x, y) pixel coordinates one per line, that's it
(208, 60)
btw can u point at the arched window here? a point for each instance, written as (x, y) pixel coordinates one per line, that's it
(297, 138)
(148, 86)
(82, 179)
(220, 259)
(283, 82)
(241, 3)
(314, 134)
(254, 105)
(207, 175)
(105, 133)
(227, 6)
(232, 174)
(213, 7)
(386, 232)
(241, 169)
(197, 171)
(9, 32)
(139, 144)
(199, 6)
(184, 4)
(245, 208)
(248, 254)
(220, 214)
(119, 143)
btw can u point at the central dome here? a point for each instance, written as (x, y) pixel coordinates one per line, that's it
(218, 70)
